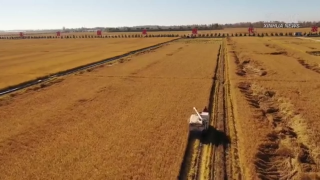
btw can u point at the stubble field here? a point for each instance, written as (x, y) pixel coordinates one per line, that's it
(275, 84)
(129, 120)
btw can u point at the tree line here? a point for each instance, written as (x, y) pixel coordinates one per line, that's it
(216, 26)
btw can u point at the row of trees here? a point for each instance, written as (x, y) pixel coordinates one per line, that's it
(215, 26)
(162, 35)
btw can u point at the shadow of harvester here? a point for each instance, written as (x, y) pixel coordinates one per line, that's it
(215, 137)
(212, 136)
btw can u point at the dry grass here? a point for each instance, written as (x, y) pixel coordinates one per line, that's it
(23, 60)
(276, 114)
(126, 121)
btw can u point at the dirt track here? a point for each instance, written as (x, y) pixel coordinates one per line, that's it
(125, 121)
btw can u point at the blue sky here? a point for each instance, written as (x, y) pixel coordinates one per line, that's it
(45, 14)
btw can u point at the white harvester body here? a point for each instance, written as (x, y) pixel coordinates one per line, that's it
(199, 122)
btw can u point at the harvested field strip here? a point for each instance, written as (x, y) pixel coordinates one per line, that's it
(249, 67)
(268, 60)
(297, 45)
(286, 152)
(210, 158)
(314, 53)
(234, 169)
(317, 40)
(221, 135)
(310, 64)
(195, 162)
(291, 44)
(105, 128)
(45, 57)
(212, 139)
(73, 70)
(282, 80)
(276, 117)
(314, 67)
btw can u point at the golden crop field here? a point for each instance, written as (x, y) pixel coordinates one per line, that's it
(23, 60)
(129, 119)
(226, 30)
(125, 121)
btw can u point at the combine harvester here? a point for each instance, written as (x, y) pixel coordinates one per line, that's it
(199, 122)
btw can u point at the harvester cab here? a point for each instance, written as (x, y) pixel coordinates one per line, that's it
(199, 122)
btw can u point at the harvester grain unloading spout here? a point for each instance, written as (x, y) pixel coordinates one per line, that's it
(199, 122)
(197, 113)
